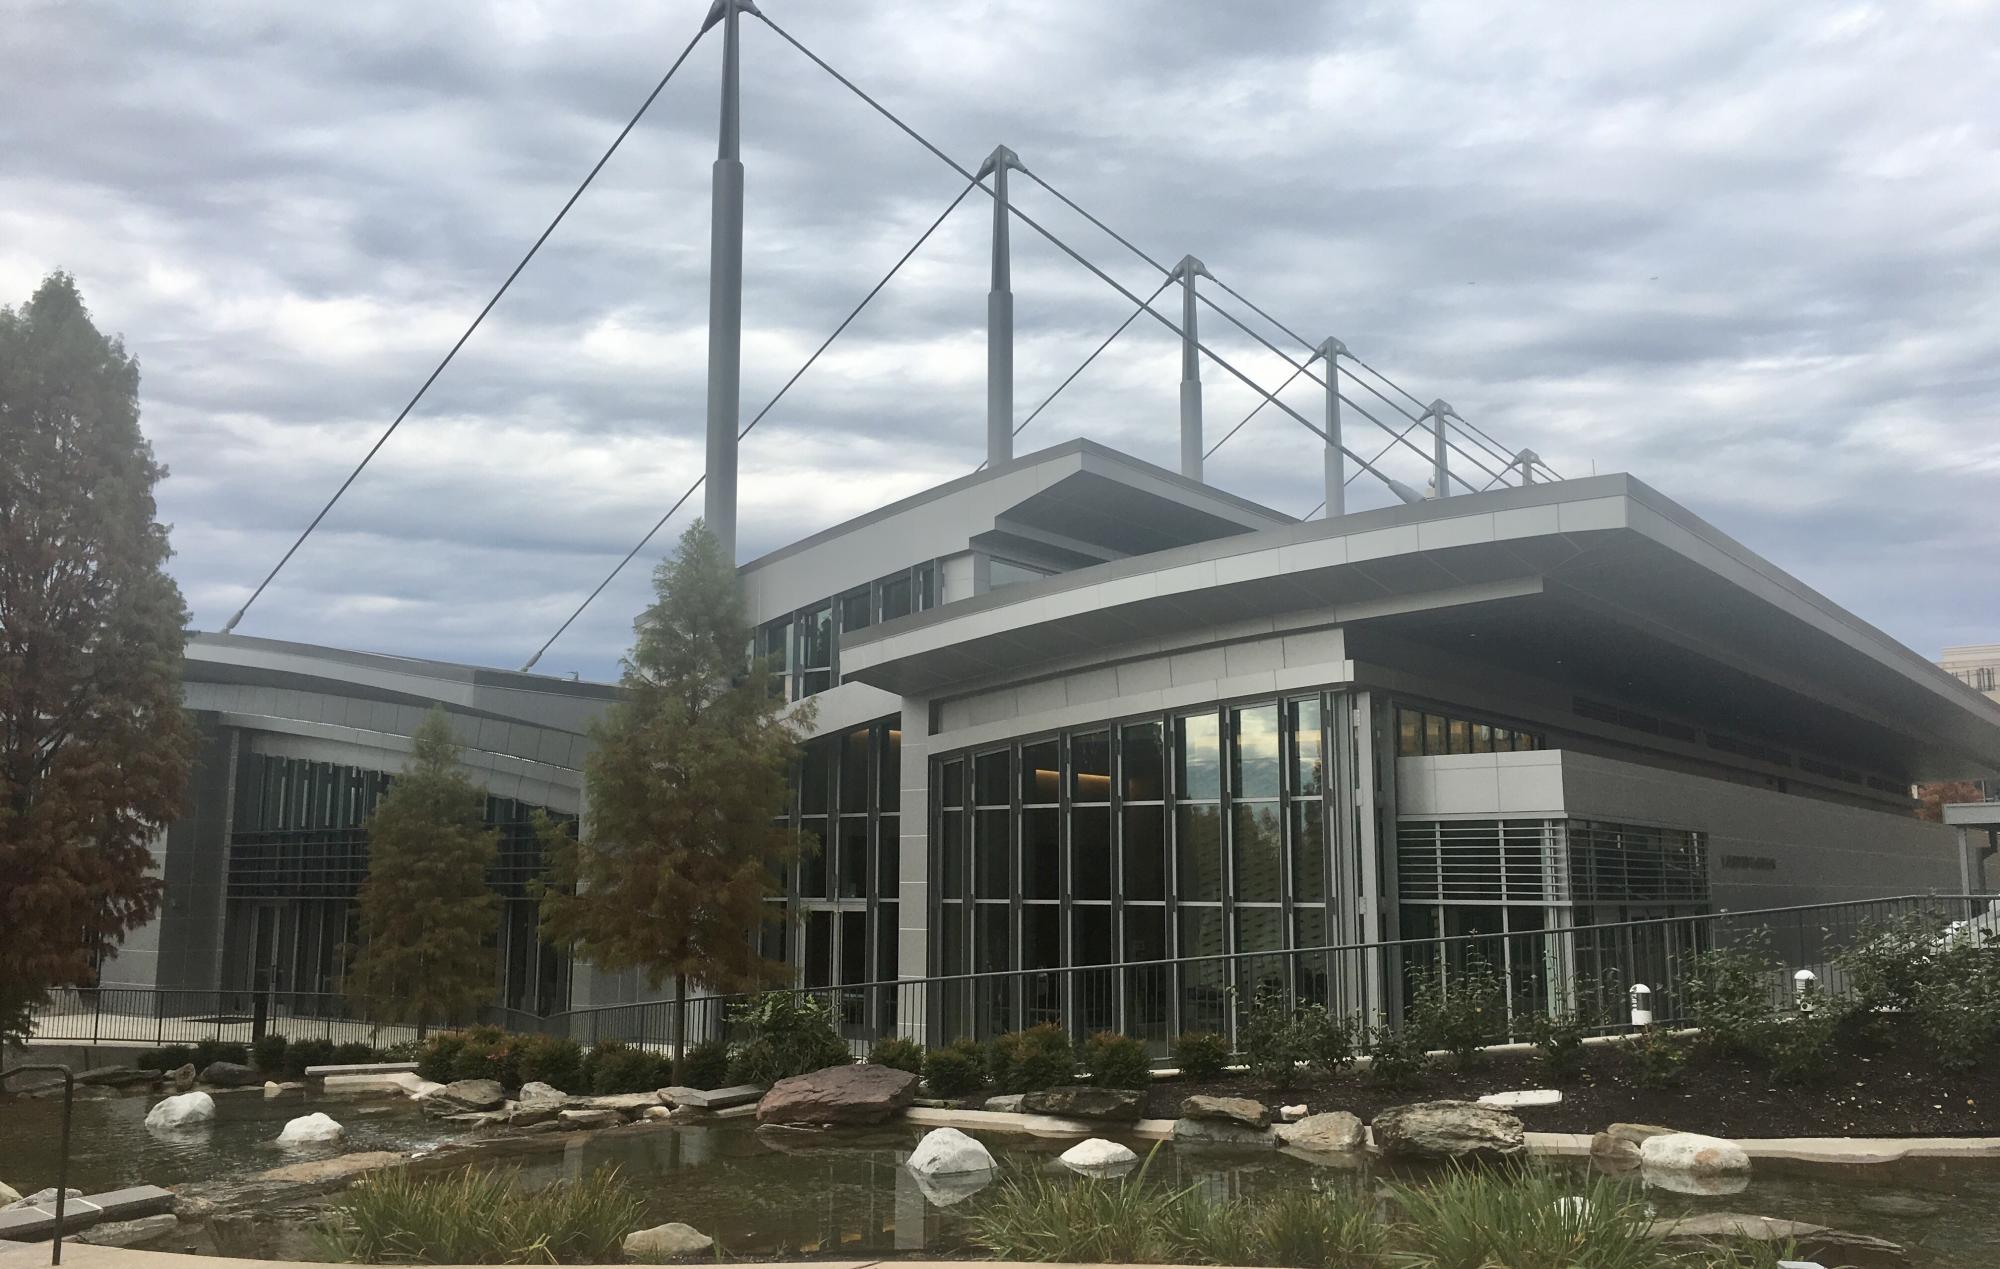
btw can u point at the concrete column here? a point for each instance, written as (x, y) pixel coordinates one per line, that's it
(1000, 316)
(1331, 351)
(1437, 414)
(725, 294)
(1186, 271)
(1968, 867)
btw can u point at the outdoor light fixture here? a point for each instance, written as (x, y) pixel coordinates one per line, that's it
(1642, 1005)
(1804, 985)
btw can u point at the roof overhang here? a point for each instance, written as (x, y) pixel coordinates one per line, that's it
(1607, 576)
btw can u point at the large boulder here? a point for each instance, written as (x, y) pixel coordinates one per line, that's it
(854, 1094)
(667, 1241)
(184, 1110)
(231, 1075)
(183, 1077)
(1334, 1132)
(1241, 1111)
(1222, 1132)
(1005, 1103)
(1098, 1157)
(948, 1152)
(1085, 1102)
(1448, 1130)
(315, 1129)
(464, 1095)
(536, 1091)
(1693, 1154)
(1618, 1145)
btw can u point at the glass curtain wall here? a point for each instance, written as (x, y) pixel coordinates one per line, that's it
(1200, 834)
(843, 890)
(802, 648)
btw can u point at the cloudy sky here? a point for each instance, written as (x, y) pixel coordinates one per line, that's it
(1747, 251)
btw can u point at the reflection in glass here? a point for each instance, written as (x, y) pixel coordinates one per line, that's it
(1308, 757)
(990, 778)
(1253, 758)
(1143, 763)
(1148, 987)
(951, 854)
(853, 857)
(812, 858)
(1144, 853)
(1198, 853)
(1258, 847)
(1204, 985)
(1198, 757)
(1041, 853)
(1041, 779)
(1308, 853)
(854, 772)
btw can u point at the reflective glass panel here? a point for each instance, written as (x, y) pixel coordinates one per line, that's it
(993, 851)
(1090, 852)
(1198, 757)
(951, 853)
(1041, 853)
(1144, 853)
(853, 856)
(1253, 759)
(854, 772)
(812, 858)
(1308, 852)
(990, 778)
(1143, 763)
(1308, 758)
(1041, 780)
(1090, 767)
(1198, 852)
(1259, 850)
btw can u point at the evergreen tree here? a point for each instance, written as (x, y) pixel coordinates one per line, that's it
(94, 745)
(427, 915)
(686, 777)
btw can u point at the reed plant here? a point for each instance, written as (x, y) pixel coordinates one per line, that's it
(1526, 1218)
(480, 1217)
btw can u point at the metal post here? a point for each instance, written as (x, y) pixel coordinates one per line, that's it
(1000, 316)
(1331, 351)
(1186, 271)
(62, 1147)
(1437, 414)
(725, 292)
(1527, 459)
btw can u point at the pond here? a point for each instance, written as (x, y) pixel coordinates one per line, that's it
(845, 1194)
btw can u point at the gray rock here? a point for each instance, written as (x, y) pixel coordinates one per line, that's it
(589, 1118)
(712, 1098)
(467, 1095)
(1448, 1130)
(128, 1233)
(627, 1104)
(947, 1151)
(183, 1077)
(181, 1111)
(118, 1076)
(1222, 1132)
(539, 1111)
(1082, 1101)
(1232, 1110)
(667, 1241)
(1334, 1132)
(316, 1128)
(1008, 1103)
(1098, 1157)
(1816, 1242)
(40, 1198)
(1694, 1154)
(853, 1094)
(536, 1091)
(231, 1075)
(1618, 1145)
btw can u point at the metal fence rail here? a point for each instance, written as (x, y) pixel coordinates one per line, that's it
(1586, 969)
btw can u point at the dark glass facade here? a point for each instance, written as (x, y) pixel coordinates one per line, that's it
(298, 853)
(802, 648)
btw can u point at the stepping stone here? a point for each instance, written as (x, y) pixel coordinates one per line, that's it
(363, 1068)
(1525, 1097)
(712, 1098)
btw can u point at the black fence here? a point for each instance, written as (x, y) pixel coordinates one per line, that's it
(1591, 970)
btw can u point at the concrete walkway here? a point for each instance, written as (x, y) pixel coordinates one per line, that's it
(85, 1256)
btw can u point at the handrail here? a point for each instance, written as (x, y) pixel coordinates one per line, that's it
(62, 1154)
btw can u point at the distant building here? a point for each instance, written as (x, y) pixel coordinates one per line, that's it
(1977, 665)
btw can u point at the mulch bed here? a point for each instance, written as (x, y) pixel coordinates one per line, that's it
(1894, 1092)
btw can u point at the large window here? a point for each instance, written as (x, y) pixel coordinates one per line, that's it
(1428, 733)
(1200, 834)
(802, 648)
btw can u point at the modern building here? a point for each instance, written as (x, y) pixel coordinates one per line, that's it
(1078, 710)
(1976, 665)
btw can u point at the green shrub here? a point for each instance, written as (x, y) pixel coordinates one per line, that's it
(955, 1070)
(1527, 1220)
(555, 1060)
(268, 1054)
(1658, 1059)
(1039, 1057)
(1117, 1061)
(1330, 1227)
(1200, 1055)
(304, 1053)
(1036, 1216)
(486, 1053)
(439, 1056)
(1458, 1011)
(171, 1058)
(1729, 996)
(1957, 1003)
(1324, 1042)
(1267, 1039)
(1558, 1040)
(206, 1051)
(704, 1065)
(899, 1052)
(474, 1218)
(613, 1066)
(784, 1033)
(1804, 1048)
(1396, 1057)
(355, 1053)
(1889, 961)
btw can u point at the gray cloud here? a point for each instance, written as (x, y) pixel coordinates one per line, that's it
(1746, 252)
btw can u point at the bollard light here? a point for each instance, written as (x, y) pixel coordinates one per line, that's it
(1805, 986)
(1642, 1005)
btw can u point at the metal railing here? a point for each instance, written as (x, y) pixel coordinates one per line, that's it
(62, 1148)
(1562, 968)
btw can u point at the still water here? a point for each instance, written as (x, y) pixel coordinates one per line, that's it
(846, 1194)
